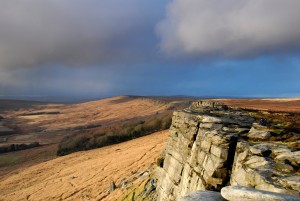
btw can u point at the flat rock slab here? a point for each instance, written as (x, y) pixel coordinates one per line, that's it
(259, 134)
(203, 196)
(241, 193)
(292, 157)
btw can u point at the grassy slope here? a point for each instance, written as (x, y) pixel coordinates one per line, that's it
(59, 120)
(105, 112)
(84, 175)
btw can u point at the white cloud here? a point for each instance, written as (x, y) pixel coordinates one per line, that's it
(231, 28)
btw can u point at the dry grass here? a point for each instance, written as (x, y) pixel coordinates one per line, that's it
(86, 175)
(49, 123)
(83, 175)
(277, 105)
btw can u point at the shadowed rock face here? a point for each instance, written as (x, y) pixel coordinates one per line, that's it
(212, 146)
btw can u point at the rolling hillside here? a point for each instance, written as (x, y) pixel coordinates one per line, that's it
(84, 175)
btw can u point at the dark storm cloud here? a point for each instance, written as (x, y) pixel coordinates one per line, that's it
(231, 28)
(77, 32)
(140, 47)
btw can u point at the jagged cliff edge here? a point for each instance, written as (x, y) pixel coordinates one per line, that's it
(212, 146)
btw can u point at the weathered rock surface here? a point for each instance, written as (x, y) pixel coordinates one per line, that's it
(196, 156)
(241, 193)
(203, 196)
(262, 171)
(212, 146)
(256, 134)
(292, 157)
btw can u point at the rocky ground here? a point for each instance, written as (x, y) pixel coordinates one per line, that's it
(212, 146)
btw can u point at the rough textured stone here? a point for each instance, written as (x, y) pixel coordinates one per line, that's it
(281, 150)
(112, 186)
(256, 161)
(261, 149)
(291, 182)
(260, 172)
(256, 134)
(283, 167)
(196, 155)
(174, 168)
(292, 157)
(209, 148)
(203, 196)
(211, 126)
(241, 193)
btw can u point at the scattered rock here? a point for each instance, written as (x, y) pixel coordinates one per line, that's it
(284, 167)
(112, 186)
(145, 174)
(259, 126)
(255, 134)
(281, 150)
(256, 161)
(292, 157)
(203, 196)
(149, 190)
(241, 193)
(292, 182)
(123, 183)
(261, 149)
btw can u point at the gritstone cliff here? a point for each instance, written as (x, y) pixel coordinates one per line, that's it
(212, 146)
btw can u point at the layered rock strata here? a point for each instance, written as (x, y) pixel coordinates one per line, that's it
(212, 145)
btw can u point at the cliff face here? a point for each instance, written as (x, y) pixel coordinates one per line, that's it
(212, 146)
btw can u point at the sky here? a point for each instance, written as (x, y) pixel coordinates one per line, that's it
(71, 50)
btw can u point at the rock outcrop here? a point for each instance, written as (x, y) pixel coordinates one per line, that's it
(212, 145)
(240, 193)
(203, 196)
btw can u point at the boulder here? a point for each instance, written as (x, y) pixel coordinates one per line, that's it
(283, 167)
(280, 150)
(241, 193)
(292, 157)
(203, 196)
(256, 161)
(112, 186)
(255, 134)
(261, 149)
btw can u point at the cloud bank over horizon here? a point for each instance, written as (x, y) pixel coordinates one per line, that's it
(97, 48)
(231, 28)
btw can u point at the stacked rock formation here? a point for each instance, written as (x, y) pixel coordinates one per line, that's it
(212, 146)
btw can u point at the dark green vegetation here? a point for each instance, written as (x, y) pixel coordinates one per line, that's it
(113, 135)
(18, 147)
